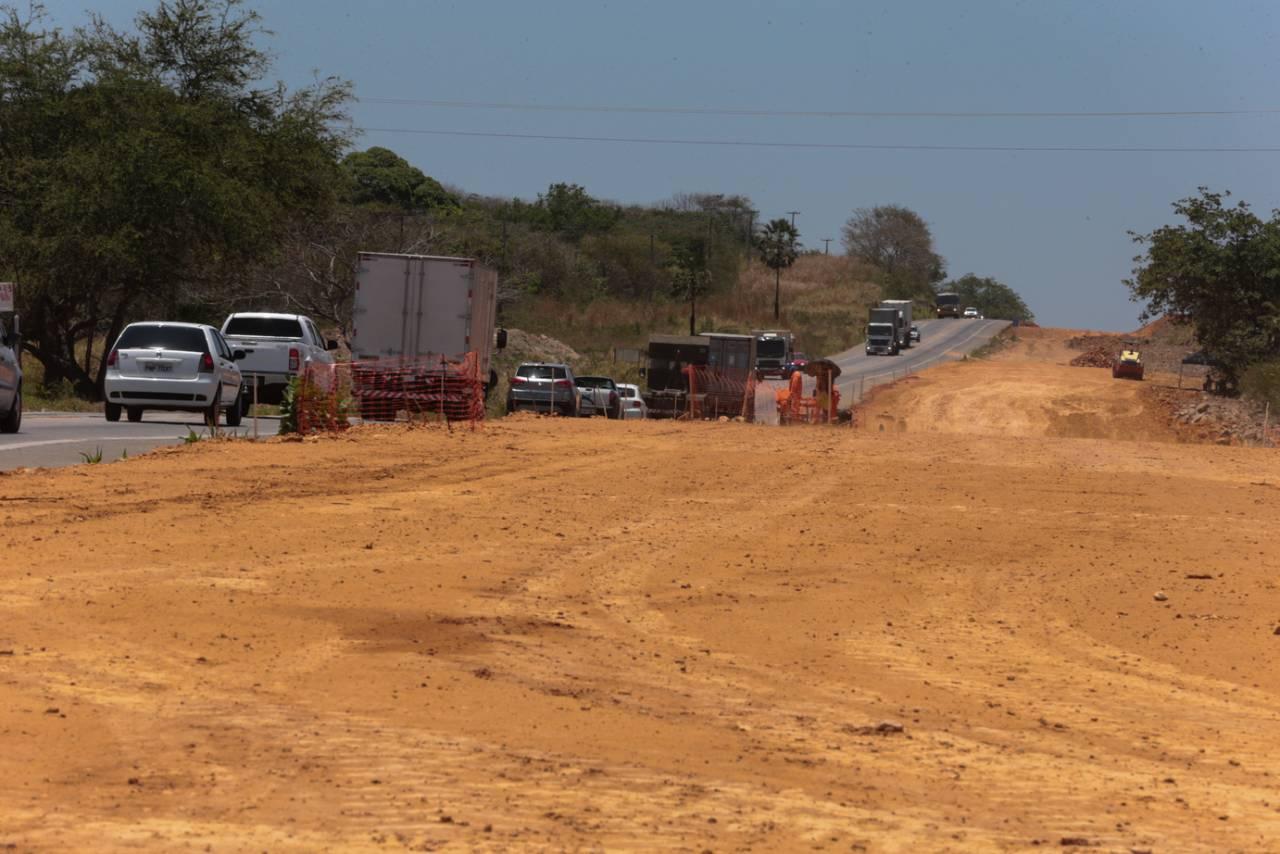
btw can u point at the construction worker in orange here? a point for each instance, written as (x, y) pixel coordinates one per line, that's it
(823, 397)
(795, 395)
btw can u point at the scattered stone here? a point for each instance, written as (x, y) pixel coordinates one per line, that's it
(1161, 597)
(52, 710)
(482, 673)
(882, 728)
(1068, 841)
(1277, 631)
(1200, 576)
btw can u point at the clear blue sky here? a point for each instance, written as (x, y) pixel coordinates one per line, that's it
(1052, 225)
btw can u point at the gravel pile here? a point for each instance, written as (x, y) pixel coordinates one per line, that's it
(1097, 357)
(1224, 421)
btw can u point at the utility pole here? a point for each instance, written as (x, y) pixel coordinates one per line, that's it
(793, 217)
(826, 245)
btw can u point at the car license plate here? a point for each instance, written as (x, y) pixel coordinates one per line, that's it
(162, 369)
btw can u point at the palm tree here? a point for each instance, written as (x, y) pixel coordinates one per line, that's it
(777, 245)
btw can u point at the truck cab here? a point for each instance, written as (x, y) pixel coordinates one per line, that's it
(882, 339)
(773, 353)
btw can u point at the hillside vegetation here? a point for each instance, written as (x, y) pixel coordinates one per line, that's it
(824, 301)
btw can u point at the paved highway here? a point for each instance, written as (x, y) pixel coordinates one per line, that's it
(940, 341)
(59, 438)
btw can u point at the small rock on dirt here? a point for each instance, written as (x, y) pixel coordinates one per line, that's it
(1160, 597)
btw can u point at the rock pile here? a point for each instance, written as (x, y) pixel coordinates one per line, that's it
(1097, 357)
(1222, 420)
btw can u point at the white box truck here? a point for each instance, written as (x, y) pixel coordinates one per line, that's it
(415, 311)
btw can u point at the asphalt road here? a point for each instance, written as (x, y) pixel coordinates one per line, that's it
(942, 340)
(61, 438)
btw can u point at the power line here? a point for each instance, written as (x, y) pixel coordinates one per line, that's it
(839, 146)
(843, 114)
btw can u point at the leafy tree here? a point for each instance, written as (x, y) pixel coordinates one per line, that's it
(992, 298)
(1220, 271)
(382, 177)
(140, 172)
(568, 210)
(689, 275)
(898, 242)
(777, 246)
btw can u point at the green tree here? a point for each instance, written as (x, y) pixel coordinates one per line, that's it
(897, 241)
(571, 212)
(777, 247)
(690, 277)
(382, 177)
(141, 172)
(992, 298)
(1221, 271)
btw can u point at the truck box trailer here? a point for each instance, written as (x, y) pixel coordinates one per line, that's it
(904, 320)
(419, 320)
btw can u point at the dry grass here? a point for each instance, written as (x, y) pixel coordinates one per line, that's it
(824, 301)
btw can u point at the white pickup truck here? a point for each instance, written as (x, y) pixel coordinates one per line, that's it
(277, 347)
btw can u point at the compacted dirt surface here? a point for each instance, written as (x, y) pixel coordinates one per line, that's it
(1028, 388)
(551, 634)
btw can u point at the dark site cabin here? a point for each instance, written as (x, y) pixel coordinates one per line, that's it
(723, 367)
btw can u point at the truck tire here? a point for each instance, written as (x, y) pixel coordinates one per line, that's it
(112, 411)
(134, 413)
(13, 419)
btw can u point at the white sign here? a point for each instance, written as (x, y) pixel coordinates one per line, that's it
(6, 296)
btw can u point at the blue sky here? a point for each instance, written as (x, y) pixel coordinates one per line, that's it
(1051, 224)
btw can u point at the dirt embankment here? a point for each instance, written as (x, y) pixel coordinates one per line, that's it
(571, 634)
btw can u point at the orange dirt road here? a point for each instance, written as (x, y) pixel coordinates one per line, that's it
(1028, 389)
(563, 634)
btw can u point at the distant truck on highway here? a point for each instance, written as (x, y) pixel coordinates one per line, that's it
(774, 349)
(947, 305)
(277, 348)
(882, 332)
(903, 307)
(411, 308)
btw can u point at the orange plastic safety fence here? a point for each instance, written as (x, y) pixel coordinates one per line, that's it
(333, 397)
(714, 393)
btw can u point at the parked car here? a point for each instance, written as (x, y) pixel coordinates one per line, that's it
(277, 347)
(543, 387)
(971, 312)
(184, 367)
(798, 361)
(633, 405)
(10, 382)
(915, 332)
(598, 396)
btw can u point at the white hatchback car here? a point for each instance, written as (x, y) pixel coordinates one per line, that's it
(633, 405)
(971, 312)
(186, 367)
